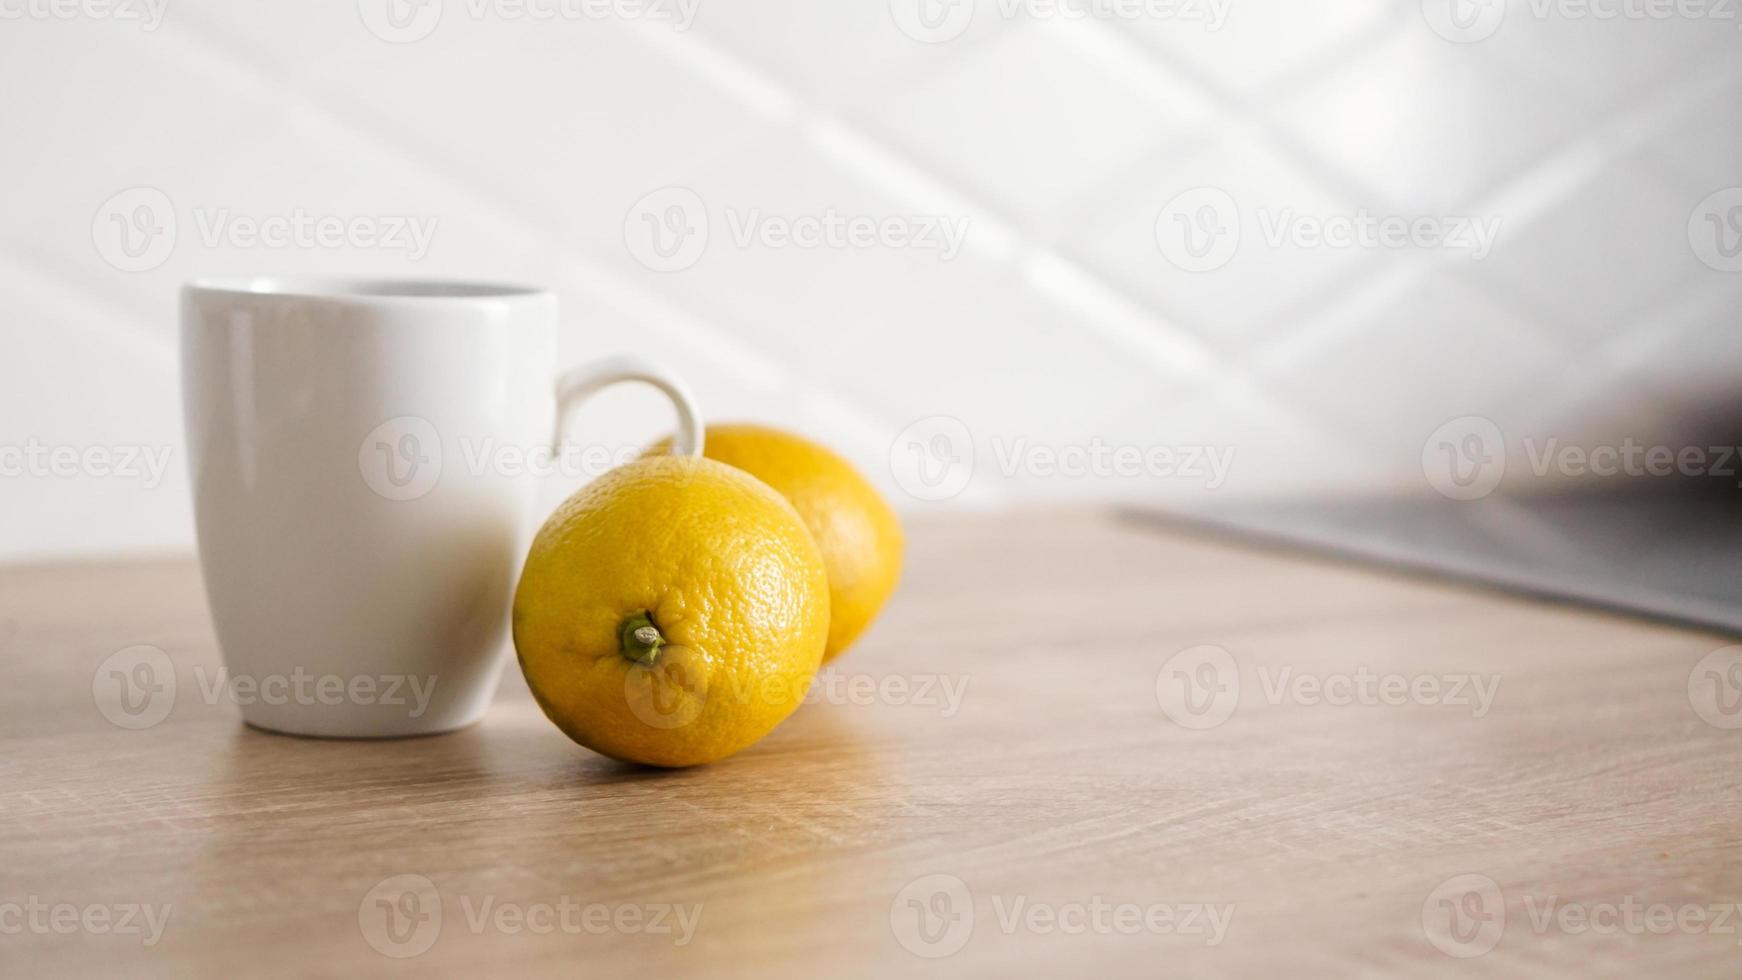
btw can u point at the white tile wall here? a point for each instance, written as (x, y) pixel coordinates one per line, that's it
(1058, 140)
(1236, 304)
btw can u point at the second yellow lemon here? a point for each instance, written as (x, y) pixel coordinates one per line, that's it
(859, 535)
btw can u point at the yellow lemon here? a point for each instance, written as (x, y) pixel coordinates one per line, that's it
(672, 612)
(859, 534)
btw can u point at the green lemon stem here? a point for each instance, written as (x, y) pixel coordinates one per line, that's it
(640, 640)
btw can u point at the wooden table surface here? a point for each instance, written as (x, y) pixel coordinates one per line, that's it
(1017, 772)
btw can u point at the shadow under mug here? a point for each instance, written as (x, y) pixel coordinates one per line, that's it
(359, 558)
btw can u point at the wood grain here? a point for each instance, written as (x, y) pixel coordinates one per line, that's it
(1058, 782)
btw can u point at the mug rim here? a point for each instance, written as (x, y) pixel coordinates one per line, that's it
(358, 289)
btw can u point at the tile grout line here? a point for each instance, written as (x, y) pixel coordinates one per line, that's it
(715, 338)
(881, 167)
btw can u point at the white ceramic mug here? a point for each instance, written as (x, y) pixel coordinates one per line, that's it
(358, 561)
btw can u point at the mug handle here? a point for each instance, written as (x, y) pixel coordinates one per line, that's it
(577, 384)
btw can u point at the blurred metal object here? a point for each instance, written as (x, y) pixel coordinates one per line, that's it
(1672, 554)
